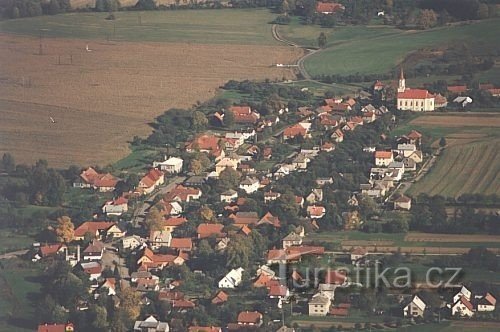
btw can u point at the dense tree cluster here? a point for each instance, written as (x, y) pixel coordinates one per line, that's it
(30, 8)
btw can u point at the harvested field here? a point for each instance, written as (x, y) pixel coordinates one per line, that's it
(470, 163)
(367, 243)
(107, 96)
(462, 120)
(428, 237)
(421, 250)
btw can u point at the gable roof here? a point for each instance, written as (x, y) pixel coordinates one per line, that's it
(151, 177)
(249, 317)
(220, 298)
(174, 221)
(269, 219)
(207, 230)
(488, 299)
(415, 94)
(54, 327)
(383, 154)
(245, 218)
(295, 130)
(414, 135)
(93, 227)
(51, 249)
(181, 243)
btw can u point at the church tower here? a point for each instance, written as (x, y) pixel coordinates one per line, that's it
(402, 84)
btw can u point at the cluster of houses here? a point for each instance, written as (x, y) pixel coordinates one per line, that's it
(464, 304)
(390, 167)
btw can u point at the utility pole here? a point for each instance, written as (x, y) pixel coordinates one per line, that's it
(40, 48)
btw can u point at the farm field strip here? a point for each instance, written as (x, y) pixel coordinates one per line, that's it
(105, 97)
(356, 54)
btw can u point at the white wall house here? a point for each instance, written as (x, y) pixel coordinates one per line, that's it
(172, 165)
(232, 279)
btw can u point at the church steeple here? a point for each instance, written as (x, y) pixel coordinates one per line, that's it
(402, 83)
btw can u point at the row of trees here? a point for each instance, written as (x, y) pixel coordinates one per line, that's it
(30, 8)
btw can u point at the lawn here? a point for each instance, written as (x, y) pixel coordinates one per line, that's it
(12, 241)
(224, 26)
(378, 49)
(19, 287)
(137, 160)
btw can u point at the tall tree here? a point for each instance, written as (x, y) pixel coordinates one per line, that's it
(8, 163)
(154, 220)
(199, 121)
(322, 40)
(65, 230)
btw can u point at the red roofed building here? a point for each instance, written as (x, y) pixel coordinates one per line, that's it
(495, 92)
(183, 244)
(269, 219)
(151, 181)
(276, 291)
(329, 7)
(413, 99)
(98, 229)
(182, 194)
(52, 249)
(172, 223)
(208, 230)
(90, 178)
(383, 158)
(295, 131)
(244, 114)
(207, 143)
(56, 327)
(251, 318)
(204, 329)
(335, 278)
(457, 88)
(220, 298)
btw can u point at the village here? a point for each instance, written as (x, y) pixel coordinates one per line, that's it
(249, 237)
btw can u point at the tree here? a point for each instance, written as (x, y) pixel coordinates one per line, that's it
(199, 121)
(154, 220)
(228, 179)
(285, 7)
(206, 214)
(195, 167)
(228, 119)
(482, 11)
(427, 18)
(322, 40)
(8, 163)
(54, 7)
(130, 304)
(65, 229)
(238, 253)
(442, 142)
(99, 316)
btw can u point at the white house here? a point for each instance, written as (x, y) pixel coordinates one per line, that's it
(250, 185)
(464, 291)
(406, 150)
(319, 305)
(415, 308)
(151, 324)
(402, 203)
(226, 162)
(229, 196)
(463, 308)
(232, 279)
(292, 239)
(486, 303)
(115, 207)
(172, 165)
(132, 242)
(383, 158)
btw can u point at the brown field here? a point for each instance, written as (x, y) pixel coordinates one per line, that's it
(367, 243)
(462, 120)
(110, 94)
(427, 237)
(420, 250)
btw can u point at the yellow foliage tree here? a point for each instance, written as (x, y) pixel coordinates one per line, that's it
(65, 229)
(154, 220)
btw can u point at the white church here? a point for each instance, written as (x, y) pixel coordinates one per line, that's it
(419, 100)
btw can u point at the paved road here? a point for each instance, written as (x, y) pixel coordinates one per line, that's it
(13, 254)
(140, 211)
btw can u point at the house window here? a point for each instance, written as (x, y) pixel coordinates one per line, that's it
(406, 103)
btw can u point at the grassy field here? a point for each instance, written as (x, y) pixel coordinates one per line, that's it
(470, 163)
(11, 241)
(18, 288)
(103, 98)
(225, 26)
(378, 49)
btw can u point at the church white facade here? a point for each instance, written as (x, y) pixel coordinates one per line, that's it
(418, 100)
